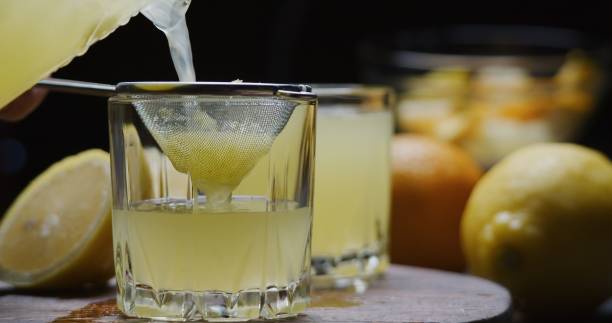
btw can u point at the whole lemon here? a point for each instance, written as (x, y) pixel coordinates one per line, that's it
(432, 181)
(540, 223)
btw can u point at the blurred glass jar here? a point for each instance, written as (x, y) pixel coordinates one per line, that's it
(489, 89)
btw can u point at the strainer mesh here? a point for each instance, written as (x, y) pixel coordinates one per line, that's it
(217, 142)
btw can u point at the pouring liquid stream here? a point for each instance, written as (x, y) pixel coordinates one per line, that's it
(192, 151)
(169, 17)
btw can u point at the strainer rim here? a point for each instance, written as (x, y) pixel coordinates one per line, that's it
(215, 88)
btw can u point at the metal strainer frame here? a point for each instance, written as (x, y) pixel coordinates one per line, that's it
(179, 88)
(297, 91)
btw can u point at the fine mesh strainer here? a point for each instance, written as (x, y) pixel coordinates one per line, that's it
(215, 132)
(216, 141)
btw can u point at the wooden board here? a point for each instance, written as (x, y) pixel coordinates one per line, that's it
(405, 294)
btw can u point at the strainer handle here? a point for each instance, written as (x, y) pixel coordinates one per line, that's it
(77, 87)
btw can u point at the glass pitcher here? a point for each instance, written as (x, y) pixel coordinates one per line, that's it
(38, 37)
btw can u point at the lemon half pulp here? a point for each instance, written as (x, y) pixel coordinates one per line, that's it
(57, 233)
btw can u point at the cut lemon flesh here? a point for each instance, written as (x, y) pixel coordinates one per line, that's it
(57, 233)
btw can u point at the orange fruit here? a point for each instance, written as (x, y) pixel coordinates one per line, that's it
(432, 182)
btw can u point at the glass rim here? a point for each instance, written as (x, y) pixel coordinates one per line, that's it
(330, 94)
(348, 89)
(215, 88)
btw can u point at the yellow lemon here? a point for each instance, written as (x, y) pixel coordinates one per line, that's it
(540, 223)
(57, 233)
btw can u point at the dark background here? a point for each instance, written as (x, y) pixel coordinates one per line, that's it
(263, 41)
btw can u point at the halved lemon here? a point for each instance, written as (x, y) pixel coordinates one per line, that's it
(57, 233)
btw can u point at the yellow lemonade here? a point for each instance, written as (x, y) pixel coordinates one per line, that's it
(165, 248)
(245, 256)
(352, 192)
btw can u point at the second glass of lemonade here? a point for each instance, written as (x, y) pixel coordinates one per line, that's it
(352, 188)
(190, 241)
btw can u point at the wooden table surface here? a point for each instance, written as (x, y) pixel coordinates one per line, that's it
(405, 294)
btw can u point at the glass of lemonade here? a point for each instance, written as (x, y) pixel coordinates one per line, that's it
(190, 240)
(352, 188)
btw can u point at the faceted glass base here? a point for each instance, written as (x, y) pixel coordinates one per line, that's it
(138, 300)
(352, 271)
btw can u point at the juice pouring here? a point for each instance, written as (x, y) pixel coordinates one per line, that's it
(214, 160)
(208, 254)
(169, 17)
(244, 258)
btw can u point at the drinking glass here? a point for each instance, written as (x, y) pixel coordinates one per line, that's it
(352, 187)
(183, 254)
